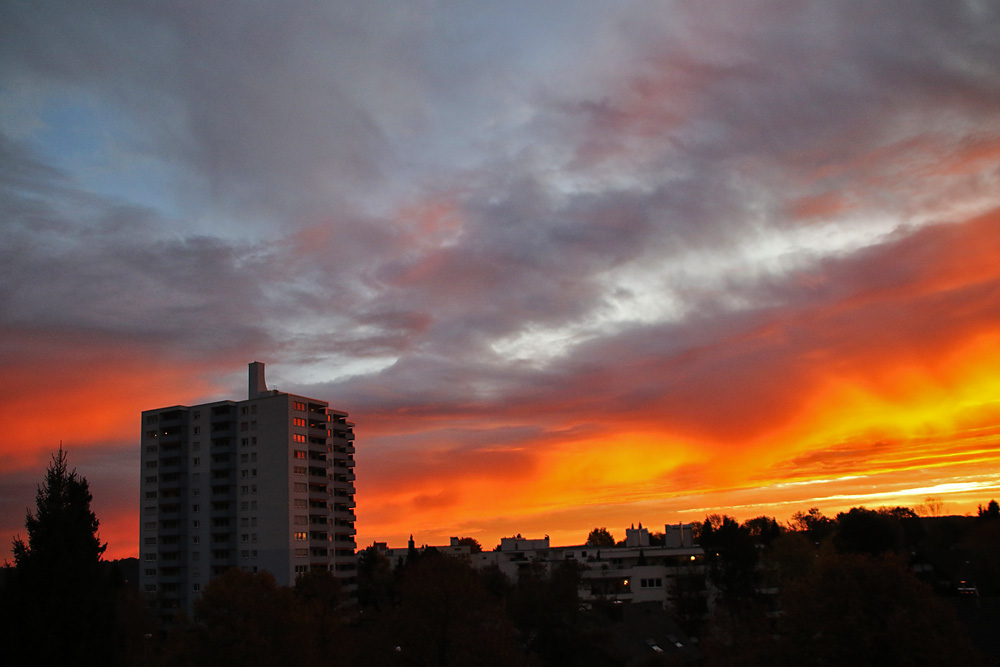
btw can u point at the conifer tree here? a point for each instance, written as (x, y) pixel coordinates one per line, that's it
(59, 603)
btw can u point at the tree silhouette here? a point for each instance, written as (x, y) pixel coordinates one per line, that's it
(600, 537)
(60, 606)
(472, 543)
(731, 556)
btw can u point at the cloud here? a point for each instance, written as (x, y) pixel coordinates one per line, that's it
(502, 237)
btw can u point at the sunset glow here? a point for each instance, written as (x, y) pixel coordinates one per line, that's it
(565, 264)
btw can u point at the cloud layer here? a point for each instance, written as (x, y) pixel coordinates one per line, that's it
(563, 265)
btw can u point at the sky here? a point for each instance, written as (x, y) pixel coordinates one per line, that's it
(566, 264)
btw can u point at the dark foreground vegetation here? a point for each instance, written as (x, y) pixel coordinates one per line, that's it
(867, 587)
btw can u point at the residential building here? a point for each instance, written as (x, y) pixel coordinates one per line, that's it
(636, 571)
(264, 484)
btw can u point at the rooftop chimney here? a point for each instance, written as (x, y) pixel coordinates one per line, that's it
(257, 384)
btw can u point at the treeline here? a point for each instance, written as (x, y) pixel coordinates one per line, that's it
(865, 587)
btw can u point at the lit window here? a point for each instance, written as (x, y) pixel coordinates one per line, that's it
(298, 536)
(299, 454)
(297, 421)
(298, 437)
(298, 405)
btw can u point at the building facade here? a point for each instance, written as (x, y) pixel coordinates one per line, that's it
(264, 484)
(635, 571)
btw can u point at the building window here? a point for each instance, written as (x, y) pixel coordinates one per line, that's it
(150, 525)
(301, 520)
(244, 426)
(245, 537)
(195, 539)
(299, 454)
(196, 461)
(298, 421)
(195, 508)
(196, 587)
(149, 540)
(150, 571)
(299, 405)
(298, 437)
(150, 464)
(300, 502)
(150, 556)
(151, 494)
(197, 430)
(301, 553)
(196, 524)
(151, 479)
(298, 536)
(300, 487)
(151, 449)
(300, 470)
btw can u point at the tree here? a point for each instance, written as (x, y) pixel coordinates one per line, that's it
(600, 537)
(763, 529)
(865, 531)
(246, 619)
(991, 512)
(861, 610)
(60, 604)
(471, 542)
(731, 557)
(813, 523)
(63, 531)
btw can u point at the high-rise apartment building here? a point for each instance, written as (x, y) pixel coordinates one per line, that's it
(261, 484)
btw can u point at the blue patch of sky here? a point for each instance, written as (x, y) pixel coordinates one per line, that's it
(96, 147)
